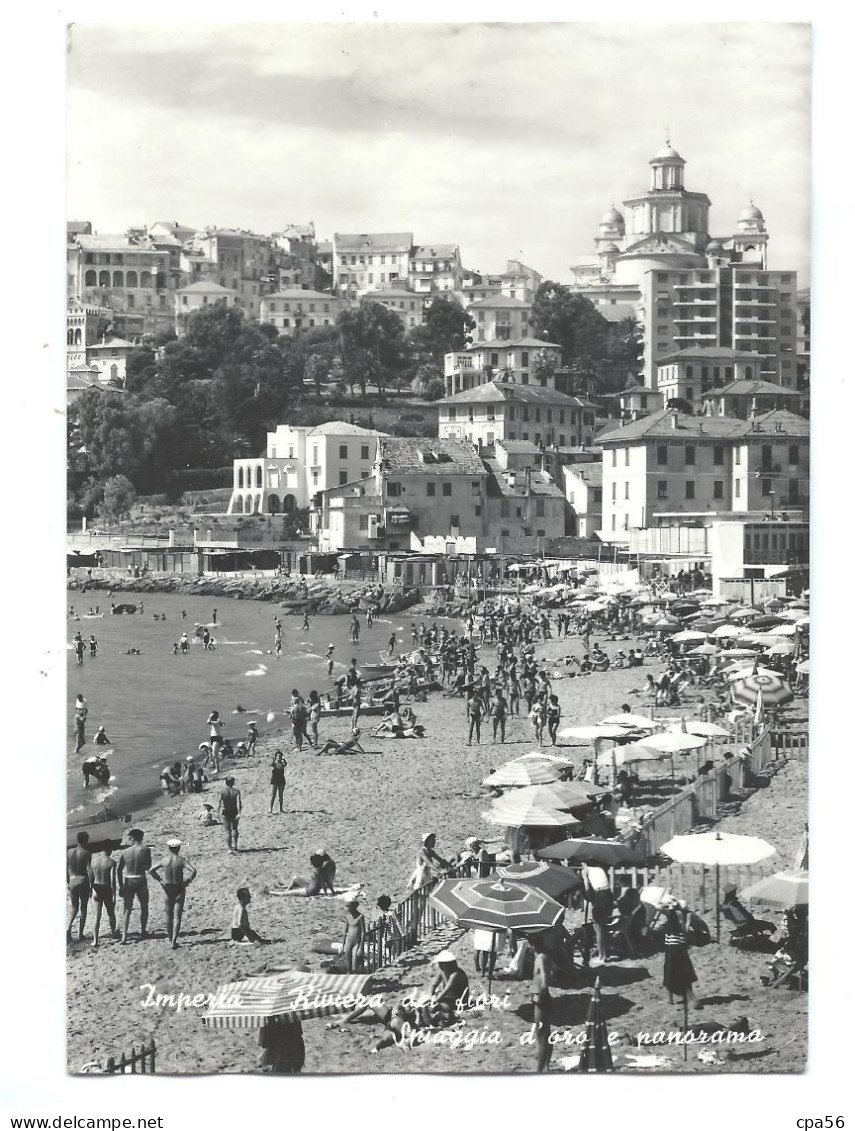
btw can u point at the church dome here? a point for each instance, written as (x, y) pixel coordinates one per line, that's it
(751, 213)
(610, 247)
(667, 153)
(612, 218)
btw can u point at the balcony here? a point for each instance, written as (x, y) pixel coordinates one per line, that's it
(753, 556)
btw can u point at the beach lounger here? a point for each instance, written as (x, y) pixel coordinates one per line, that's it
(746, 930)
(784, 973)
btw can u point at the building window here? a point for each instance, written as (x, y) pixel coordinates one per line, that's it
(614, 457)
(539, 508)
(477, 512)
(393, 490)
(737, 489)
(431, 490)
(342, 478)
(626, 457)
(718, 489)
(446, 489)
(614, 492)
(662, 489)
(598, 494)
(662, 455)
(737, 456)
(766, 487)
(793, 457)
(504, 509)
(690, 488)
(690, 454)
(454, 520)
(363, 522)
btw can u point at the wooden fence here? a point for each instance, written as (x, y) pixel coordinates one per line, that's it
(790, 745)
(140, 1062)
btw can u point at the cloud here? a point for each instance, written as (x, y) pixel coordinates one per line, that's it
(493, 136)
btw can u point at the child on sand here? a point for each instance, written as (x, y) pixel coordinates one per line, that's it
(242, 932)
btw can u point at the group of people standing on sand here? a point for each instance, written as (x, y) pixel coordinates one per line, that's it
(100, 877)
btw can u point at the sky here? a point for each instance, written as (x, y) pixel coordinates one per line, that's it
(509, 139)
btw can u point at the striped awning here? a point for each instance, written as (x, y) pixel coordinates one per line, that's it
(293, 995)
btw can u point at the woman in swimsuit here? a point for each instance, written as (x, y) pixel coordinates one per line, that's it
(313, 886)
(354, 935)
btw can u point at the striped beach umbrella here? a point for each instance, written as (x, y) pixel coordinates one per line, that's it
(528, 770)
(293, 996)
(516, 815)
(596, 1054)
(766, 684)
(552, 879)
(495, 905)
(588, 850)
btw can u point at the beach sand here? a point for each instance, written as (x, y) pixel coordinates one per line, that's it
(369, 813)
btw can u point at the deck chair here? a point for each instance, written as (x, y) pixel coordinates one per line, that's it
(745, 929)
(785, 973)
(630, 930)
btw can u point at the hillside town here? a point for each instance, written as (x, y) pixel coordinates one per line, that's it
(651, 409)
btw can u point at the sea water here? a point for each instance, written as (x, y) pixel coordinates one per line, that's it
(154, 706)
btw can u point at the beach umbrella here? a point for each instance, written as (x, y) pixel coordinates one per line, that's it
(665, 625)
(703, 729)
(688, 636)
(783, 630)
(673, 742)
(596, 1053)
(635, 722)
(737, 653)
(766, 622)
(514, 815)
(552, 795)
(785, 648)
(495, 905)
(633, 752)
(802, 852)
(552, 879)
(727, 630)
(525, 771)
(594, 732)
(784, 890)
(743, 671)
(704, 650)
(715, 850)
(804, 667)
(590, 850)
(770, 686)
(293, 995)
(762, 639)
(803, 623)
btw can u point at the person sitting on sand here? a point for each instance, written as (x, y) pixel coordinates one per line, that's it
(313, 886)
(206, 817)
(328, 867)
(352, 746)
(242, 932)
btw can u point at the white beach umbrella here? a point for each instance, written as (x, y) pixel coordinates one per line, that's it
(783, 630)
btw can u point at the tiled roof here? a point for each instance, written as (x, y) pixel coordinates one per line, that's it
(494, 392)
(659, 425)
(204, 286)
(341, 428)
(404, 454)
(352, 242)
(509, 343)
(500, 300)
(591, 473)
(714, 353)
(536, 483)
(113, 343)
(750, 388)
(298, 292)
(395, 293)
(435, 251)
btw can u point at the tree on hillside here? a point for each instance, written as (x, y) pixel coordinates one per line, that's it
(447, 328)
(372, 345)
(570, 320)
(625, 345)
(119, 497)
(316, 371)
(428, 382)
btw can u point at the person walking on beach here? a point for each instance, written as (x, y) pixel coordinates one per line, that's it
(277, 643)
(131, 876)
(499, 713)
(314, 708)
(104, 892)
(678, 973)
(170, 874)
(216, 735)
(93, 646)
(252, 737)
(79, 648)
(553, 718)
(330, 659)
(474, 712)
(277, 780)
(230, 807)
(206, 640)
(393, 640)
(354, 629)
(299, 718)
(214, 617)
(78, 878)
(305, 623)
(242, 932)
(357, 706)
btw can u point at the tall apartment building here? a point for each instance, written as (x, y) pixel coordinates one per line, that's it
(736, 307)
(296, 308)
(435, 267)
(241, 262)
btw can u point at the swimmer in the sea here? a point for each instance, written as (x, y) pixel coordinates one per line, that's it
(101, 738)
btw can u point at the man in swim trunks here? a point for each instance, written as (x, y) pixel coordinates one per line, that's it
(542, 1001)
(134, 864)
(230, 807)
(103, 870)
(174, 884)
(78, 877)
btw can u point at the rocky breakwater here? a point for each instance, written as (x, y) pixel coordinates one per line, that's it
(294, 595)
